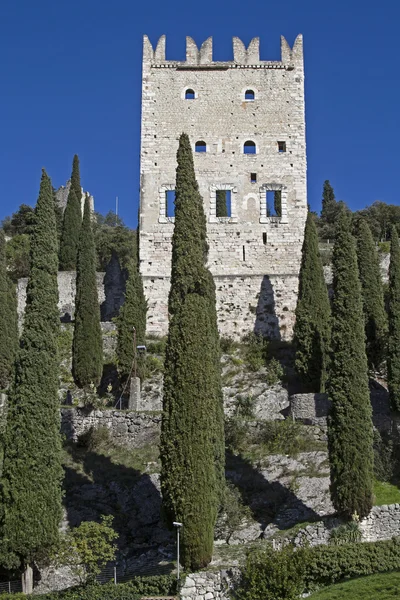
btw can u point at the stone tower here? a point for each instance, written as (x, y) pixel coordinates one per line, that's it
(246, 123)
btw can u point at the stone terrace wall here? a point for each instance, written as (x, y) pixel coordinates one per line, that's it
(382, 523)
(129, 428)
(208, 586)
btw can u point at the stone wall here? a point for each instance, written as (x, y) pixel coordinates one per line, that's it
(129, 428)
(253, 256)
(209, 586)
(382, 523)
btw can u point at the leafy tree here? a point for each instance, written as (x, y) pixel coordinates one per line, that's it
(8, 319)
(72, 222)
(221, 207)
(87, 345)
(30, 493)
(21, 222)
(88, 548)
(350, 438)
(393, 359)
(132, 315)
(192, 434)
(119, 240)
(312, 329)
(380, 218)
(18, 256)
(372, 295)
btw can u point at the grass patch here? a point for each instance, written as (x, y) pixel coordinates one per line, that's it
(383, 586)
(386, 493)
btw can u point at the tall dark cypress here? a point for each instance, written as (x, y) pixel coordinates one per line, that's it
(131, 315)
(30, 498)
(192, 434)
(329, 212)
(72, 222)
(372, 295)
(87, 345)
(313, 314)
(393, 358)
(8, 319)
(350, 436)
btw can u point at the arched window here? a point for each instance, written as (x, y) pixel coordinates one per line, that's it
(189, 95)
(249, 95)
(249, 147)
(201, 146)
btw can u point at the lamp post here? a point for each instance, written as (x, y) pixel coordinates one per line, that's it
(178, 526)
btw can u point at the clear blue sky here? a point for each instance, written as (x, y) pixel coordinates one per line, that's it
(70, 79)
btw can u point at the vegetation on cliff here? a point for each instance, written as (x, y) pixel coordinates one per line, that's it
(8, 319)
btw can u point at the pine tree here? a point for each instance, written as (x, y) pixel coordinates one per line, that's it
(87, 345)
(30, 495)
(192, 436)
(72, 222)
(132, 315)
(350, 436)
(312, 328)
(393, 358)
(8, 319)
(221, 207)
(372, 295)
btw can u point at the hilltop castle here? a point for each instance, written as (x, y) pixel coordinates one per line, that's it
(245, 119)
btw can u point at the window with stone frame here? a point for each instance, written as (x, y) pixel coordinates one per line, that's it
(223, 203)
(273, 203)
(167, 203)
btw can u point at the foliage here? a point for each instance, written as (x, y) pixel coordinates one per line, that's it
(275, 372)
(380, 218)
(30, 494)
(21, 222)
(384, 247)
(313, 314)
(88, 548)
(273, 575)
(87, 346)
(232, 512)
(329, 212)
(72, 222)
(8, 320)
(132, 316)
(18, 256)
(372, 296)
(255, 351)
(383, 457)
(95, 439)
(111, 239)
(345, 534)
(192, 473)
(386, 493)
(283, 437)
(393, 357)
(156, 346)
(227, 344)
(385, 587)
(350, 422)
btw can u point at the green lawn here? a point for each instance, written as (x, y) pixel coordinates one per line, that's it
(386, 493)
(384, 586)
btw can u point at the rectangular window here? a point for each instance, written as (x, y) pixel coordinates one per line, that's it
(274, 203)
(264, 238)
(281, 146)
(170, 203)
(223, 203)
(253, 177)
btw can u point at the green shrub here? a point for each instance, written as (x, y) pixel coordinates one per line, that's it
(232, 511)
(384, 247)
(95, 438)
(255, 351)
(156, 346)
(227, 345)
(274, 372)
(345, 534)
(383, 457)
(237, 436)
(244, 406)
(284, 437)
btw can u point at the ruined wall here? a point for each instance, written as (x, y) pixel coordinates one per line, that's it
(62, 197)
(254, 257)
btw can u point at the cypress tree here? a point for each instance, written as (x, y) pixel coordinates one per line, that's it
(87, 345)
(372, 295)
(221, 207)
(8, 319)
(278, 203)
(30, 495)
(132, 315)
(329, 212)
(192, 436)
(72, 222)
(393, 358)
(350, 436)
(312, 328)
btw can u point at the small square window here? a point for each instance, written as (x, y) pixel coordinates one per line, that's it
(253, 177)
(281, 146)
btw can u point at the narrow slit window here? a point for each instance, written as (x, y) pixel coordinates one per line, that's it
(170, 203)
(253, 177)
(274, 203)
(249, 147)
(281, 146)
(244, 253)
(189, 95)
(264, 238)
(223, 203)
(249, 95)
(201, 146)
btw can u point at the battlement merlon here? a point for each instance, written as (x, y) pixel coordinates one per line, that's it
(291, 58)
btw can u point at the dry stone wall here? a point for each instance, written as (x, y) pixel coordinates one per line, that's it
(208, 585)
(253, 256)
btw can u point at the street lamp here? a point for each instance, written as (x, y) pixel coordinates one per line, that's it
(178, 526)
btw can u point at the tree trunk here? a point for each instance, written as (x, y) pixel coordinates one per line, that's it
(27, 580)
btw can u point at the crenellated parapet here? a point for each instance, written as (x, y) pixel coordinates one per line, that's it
(243, 57)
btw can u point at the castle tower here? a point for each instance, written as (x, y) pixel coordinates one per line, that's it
(245, 120)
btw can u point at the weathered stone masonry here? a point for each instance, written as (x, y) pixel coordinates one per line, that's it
(255, 258)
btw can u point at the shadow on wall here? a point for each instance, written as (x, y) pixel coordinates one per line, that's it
(114, 289)
(267, 322)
